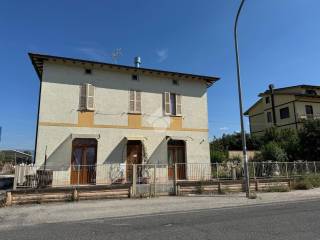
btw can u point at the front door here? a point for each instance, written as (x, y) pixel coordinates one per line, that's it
(134, 156)
(176, 155)
(83, 161)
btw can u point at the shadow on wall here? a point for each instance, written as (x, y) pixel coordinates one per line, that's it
(60, 158)
(60, 73)
(118, 154)
(159, 155)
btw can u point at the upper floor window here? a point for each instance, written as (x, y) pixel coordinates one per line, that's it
(86, 97)
(175, 82)
(284, 113)
(87, 71)
(269, 117)
(172, 104)
(135, 77)
(309, 110)
(311, 92)
(134, 101)
(267, 100)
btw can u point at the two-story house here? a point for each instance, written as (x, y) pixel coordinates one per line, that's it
(95, 113)
(284, 107)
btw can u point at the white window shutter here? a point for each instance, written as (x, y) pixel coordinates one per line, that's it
(138, 102)
(131, 100)
(167, 103)
(90, 97)
(178, 104)
(83, 98)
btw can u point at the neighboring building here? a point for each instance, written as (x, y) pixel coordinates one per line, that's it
(284, 108)
(99, 113)
(15, 157)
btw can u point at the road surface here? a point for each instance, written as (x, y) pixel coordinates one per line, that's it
(290, 220)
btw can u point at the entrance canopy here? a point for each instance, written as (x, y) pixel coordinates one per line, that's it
(96, 136)
(181, 138)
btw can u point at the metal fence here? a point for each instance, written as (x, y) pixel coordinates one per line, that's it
(154, 178)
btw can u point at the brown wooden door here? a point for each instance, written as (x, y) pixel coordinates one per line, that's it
(176, 154)
(134, 156)
(83, 161)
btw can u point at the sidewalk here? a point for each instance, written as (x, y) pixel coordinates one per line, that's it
(88, 210)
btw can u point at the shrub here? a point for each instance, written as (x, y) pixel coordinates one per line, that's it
(272, 151)
(307, 182)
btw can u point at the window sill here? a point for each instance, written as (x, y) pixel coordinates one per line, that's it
(134, 113)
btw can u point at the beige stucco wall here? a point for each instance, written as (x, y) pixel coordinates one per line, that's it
(59, 116)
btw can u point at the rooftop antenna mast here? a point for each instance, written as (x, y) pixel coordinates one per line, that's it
(116, 54)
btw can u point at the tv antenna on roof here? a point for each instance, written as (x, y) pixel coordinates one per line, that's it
(116, 54)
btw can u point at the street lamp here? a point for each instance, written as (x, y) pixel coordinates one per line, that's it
(243, 134)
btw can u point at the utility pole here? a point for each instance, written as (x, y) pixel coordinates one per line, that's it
(243, 134)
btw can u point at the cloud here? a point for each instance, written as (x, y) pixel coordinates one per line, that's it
(224, 128)
(162, 54)
(94, 53)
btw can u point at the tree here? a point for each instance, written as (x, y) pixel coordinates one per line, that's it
(272, 151)
(286, 139)
(309, 137)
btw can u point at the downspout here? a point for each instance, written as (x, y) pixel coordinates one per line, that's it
(271, 88)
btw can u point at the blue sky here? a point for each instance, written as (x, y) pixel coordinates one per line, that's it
(278, 40)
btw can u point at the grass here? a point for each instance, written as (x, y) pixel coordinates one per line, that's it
(277, 188)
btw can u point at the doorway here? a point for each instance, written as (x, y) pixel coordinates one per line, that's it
(176, 154)
(83, 161)
(134, 156)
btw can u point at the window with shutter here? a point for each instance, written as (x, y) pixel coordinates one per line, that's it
(134, 101)
(83, 98)
(178, 104)
(172, 104)
(90, 97)
(86, 97)
(167, 103)
(138, 102)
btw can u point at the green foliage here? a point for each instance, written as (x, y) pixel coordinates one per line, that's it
(307, 182)
(277, 188)
(286, 139)
(310, 140)
(218, 156)
(272, 151)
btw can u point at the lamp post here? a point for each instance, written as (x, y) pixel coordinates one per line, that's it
(243, 134)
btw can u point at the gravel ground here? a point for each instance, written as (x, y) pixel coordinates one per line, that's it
(16, 216)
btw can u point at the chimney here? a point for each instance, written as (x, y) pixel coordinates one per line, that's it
(137, 61)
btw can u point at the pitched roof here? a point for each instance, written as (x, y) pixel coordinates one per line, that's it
(278, 90)
(39, 59)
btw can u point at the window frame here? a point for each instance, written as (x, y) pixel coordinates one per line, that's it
(87, 92)
(136, 102)
(287, 113)
(168, 104)
(269, 117)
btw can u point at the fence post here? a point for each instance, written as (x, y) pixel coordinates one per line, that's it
(16, 175)
(154, 179)
(315, 167)
(134, 180)
(175, 179)
(254, 170)
(287, 170)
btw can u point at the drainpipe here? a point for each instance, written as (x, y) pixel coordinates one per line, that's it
(271, 88)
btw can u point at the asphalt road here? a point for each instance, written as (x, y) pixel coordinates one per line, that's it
(295, 220)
